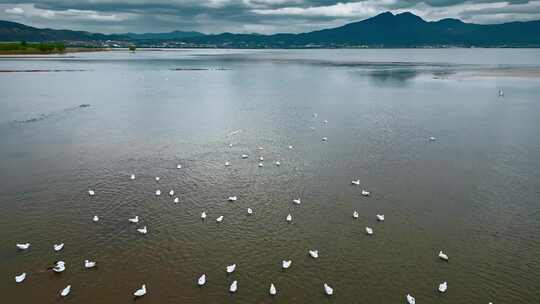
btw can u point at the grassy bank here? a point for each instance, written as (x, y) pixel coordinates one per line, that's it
(26, 48)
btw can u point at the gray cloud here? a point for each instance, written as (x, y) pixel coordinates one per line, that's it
(263, 16)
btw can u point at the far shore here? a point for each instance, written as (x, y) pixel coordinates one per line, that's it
(38, 52)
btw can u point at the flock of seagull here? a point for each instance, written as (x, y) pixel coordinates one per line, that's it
(60, 266)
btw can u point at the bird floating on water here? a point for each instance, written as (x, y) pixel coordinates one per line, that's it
(143, 230)
(325, 121)
(289, 218)
(277, 163)
(297, 201)
(227, 164)
(250, 211)
(203, 215)
(232, 198)
(89, 264)
(443, 256)
(171, 193)
(20, 277)
(202, 280)
(178, 166)
(314, 253)
(158, 192)
(176, 200)
(365, 192)
(66, 291)
(91, 192)
(501, 93)
(286, 264)
(261, 158)
(134, 220)
(219, 219)
(245, 156)
(328, 290)
(380, 217)
(132, 177)
(58, 247)
(355, 214)
(260, 148)
(431, 138)
(356, 182)
(272, 290)
(23, 246)
(95, 218)
(230, 145)
(290, 147)
(157, 178)
(410, 299)
(231, 268)
(234, 286)
(140, 292)
(59, 266)
(325, 139)
(261, 165)
(369, 231)
(443, 286)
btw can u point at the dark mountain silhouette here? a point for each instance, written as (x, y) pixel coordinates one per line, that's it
(383, 30)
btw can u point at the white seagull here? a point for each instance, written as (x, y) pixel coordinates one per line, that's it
(232, 198)
(260, 148)
(203, 215)
(261, 158)
(231, 268)
(325, 139)
(410, 299)
(95, 218)
(277, 163)
(234, 286)
(23, 246)
(202, 280)
(355, 214)
(58, 247)
(142, 230)
(365, 192)
(290, 147)
(443, 256)
(176, 200)
(66, 291)
(178, 166)
(157, 178)
(289, 218)
(432, 138)
(227, 164)
(171, 193)
(91, 192)
(89, 264)
(328, 290)
(158, 192)
(272, 290)
(325, 121)
(20, 277)
(443, 286)
(261, 165)
(250, 211)
(134, 220)
(140, 292)
(314, 253)
(297, 201)
(59, 266)
(380, 217)
(356, 182)
(132, 177)
(369, 231)
(286, 264)
(219, 219)
(245, 156)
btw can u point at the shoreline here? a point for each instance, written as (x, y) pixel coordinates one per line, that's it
(38, 52)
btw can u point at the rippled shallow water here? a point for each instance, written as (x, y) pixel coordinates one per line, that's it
(474, 193)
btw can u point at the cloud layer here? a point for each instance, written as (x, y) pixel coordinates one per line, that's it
(245, 16)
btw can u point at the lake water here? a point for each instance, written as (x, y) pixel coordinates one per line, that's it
(474, 192)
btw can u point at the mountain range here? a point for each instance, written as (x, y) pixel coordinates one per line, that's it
(383, 30)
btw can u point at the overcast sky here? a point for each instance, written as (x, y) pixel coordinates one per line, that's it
(247, 16)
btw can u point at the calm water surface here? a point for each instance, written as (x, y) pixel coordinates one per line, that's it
(475, 192)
